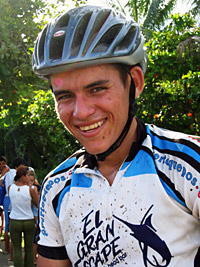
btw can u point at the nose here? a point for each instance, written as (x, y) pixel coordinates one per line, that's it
(83, 107)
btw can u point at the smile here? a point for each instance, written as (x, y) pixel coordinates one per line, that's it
(92, 126)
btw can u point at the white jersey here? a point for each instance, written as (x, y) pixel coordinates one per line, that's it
(9, 179)
(149, 216)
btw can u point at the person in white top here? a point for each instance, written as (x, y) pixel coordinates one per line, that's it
(21, 217)
(9, 179)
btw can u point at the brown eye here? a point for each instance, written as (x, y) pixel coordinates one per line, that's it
(98, 89)
(63, 97)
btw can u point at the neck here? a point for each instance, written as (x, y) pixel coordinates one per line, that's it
(113, 162)
(20, 183)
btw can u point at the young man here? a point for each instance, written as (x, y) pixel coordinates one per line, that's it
(131, 196)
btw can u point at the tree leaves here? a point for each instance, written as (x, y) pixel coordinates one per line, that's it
(171, 83)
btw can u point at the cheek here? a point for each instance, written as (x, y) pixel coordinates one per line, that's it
(63, 113)
(121, 109)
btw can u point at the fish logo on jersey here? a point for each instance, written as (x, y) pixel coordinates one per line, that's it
(146, 235)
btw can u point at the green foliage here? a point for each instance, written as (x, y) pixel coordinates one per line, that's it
(150, 14)
(138, 9)
(195, 10)
(28, 122)
(171, 96)
(52, 132)
(34, 132)
(17, 34)
(156, 15)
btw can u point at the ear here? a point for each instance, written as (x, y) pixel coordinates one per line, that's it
(138, 77)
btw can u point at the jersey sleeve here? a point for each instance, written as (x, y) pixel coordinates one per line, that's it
(50, 243)
(177, 157)
(191, 189)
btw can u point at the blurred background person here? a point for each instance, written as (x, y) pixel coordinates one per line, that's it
(3, 166)
(22, 218)
(9, 179)
(33, 182)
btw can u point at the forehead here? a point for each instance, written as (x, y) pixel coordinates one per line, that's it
(85, 74)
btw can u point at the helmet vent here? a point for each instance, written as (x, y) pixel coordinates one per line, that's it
(79, 34)
(107, 39)
(56, 47)
(96, 27)
(57, 42)
(62, 22)
(128, 40)
(41, 45)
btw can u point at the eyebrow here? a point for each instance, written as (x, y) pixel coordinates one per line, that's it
(96, 83)
(56, 93)
(93, 84)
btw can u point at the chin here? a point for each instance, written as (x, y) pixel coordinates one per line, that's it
(93, 151)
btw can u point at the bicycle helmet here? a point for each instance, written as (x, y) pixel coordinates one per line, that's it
(88, 35)
(91, 35)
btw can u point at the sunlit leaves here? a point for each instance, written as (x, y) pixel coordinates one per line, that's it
(172, 81)
(28, 122)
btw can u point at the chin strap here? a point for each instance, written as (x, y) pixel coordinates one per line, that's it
(131, 114)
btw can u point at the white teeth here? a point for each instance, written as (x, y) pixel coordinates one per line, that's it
(92, 126)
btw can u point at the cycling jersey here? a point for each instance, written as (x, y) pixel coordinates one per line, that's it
(149, 216)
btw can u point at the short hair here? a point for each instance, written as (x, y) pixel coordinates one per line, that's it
(123, 71)
(18, 161)
(3, 158)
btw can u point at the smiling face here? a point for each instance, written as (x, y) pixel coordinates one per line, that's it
(93, 104)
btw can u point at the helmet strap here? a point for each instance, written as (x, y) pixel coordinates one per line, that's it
(132, 111)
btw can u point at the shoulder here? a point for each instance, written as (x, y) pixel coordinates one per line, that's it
(72, 161)
(32, 190)
(10, 173)
(174, 146)
(170, 138)
(57, 177)
(11, 187)
(176, 156)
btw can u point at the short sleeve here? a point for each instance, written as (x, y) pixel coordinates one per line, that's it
(50, 241)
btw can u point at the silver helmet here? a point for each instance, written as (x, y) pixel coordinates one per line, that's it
(88, 35)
